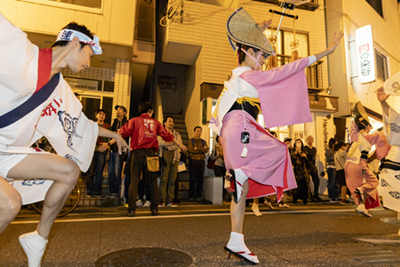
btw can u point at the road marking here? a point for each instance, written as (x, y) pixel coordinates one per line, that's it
(182, 216)
(378, 241)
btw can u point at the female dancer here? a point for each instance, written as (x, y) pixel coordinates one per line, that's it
(258, 163)
(365, 194)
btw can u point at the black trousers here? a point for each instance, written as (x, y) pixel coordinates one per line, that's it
(138, 165)
(196, 178)
(315, 180)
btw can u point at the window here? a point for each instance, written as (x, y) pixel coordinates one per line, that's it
(92, 6)
(284, 40)
(86, 3)
(381, 65)
(93, 103)
(377, 5)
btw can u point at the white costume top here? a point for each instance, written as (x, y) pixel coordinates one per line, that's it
(59, 117)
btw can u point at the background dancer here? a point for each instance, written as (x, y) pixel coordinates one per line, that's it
(365, 194)
(390, 184)
(36, 101)
(258, 163)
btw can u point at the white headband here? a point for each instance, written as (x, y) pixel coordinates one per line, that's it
(68, 35)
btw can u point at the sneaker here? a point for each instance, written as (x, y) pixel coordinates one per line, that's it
(113, 195)
(170, 204)
(199, 199)
(146, 204)
(269, 205)
(344, 202)
(89, 195)
(161, 205)
(333, 201)
(139, 203)
(283, 205)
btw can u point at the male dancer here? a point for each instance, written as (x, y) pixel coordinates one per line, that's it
(36, 101)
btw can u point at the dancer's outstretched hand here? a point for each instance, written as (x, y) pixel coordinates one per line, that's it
(335, 42)
(381, 95)
(122, 145)
(264, 25)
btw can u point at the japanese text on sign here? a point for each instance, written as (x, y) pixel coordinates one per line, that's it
(365, 55)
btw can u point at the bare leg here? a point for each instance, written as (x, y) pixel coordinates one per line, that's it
(344, 192)
(238, 209)
(236, 243)
(10, 204)
(255, 208)
(63, 172)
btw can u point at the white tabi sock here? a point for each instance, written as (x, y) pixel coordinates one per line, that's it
(236, 242)
(34, 246)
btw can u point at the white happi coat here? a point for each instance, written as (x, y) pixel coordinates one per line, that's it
(24, 69)
(390, 179)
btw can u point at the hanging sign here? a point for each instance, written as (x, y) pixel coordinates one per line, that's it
(365, 54)
(82, 84)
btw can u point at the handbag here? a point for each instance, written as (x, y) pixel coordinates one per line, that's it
(210, 163)
(153, 164)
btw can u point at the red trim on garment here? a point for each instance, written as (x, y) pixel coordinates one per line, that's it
(44, 67)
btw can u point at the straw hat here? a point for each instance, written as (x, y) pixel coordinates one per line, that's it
(360, 115)
(241, 28)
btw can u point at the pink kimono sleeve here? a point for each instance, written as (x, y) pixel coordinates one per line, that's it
(283, 93)
(379, 140)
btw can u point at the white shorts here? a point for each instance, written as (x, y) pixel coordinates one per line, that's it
(8, 161)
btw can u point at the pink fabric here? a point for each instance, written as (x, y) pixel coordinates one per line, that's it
(354, 132)
(381, 144)
(283, 93)
(355, 178)
(268, 161)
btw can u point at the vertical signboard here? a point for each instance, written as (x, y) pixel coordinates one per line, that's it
(365, 54)
(206, 110)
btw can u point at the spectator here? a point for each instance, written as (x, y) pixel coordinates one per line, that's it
(143, 131)
(197, 149)
(300, 166)
(100, 157)
(331, 171)
(170, 155)
(340, 161)
(218, 155)
(116, 160)
(311, 152)
(288, 142)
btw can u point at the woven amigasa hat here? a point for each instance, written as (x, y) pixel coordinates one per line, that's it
(360, 115)
(241, 28)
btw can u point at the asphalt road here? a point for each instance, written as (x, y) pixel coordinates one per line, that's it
(317, 234)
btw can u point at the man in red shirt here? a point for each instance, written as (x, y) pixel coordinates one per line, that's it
(143, 131)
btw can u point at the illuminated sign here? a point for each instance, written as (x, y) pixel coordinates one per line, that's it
(365, 55)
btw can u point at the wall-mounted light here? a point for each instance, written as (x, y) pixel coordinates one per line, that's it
(329, 90)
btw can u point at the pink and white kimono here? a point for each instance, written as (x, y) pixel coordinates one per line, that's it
(358, 175)
(283, 95)
(32, 106)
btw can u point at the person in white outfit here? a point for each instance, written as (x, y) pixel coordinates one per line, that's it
(36, 101)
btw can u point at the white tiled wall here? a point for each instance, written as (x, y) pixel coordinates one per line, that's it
(205, 25)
